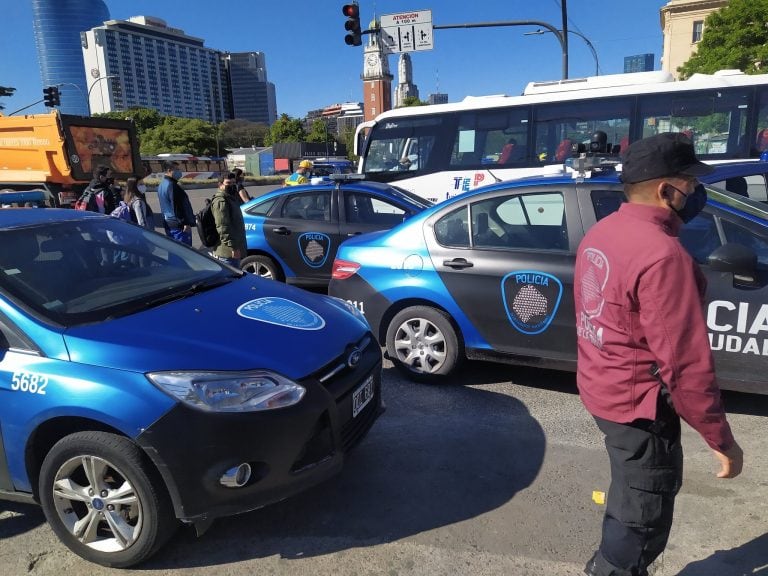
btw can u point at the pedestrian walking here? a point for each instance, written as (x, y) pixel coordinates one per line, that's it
(230, 226)
(178, 217)
(644, 360)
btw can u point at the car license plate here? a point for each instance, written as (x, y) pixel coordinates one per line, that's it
(362, 396)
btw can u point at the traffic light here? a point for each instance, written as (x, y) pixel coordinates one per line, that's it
(51, 96)
(352, 25)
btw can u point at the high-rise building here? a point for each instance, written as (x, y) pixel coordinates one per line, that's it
(405, 86)
(253, 97)
(57, 25)
(438, 98)
(152, 65)
(638, 63)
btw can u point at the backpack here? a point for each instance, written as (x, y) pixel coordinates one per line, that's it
(123, 212)
(206, 225)
(86, 202)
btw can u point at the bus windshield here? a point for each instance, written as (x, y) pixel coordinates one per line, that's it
(442, 150)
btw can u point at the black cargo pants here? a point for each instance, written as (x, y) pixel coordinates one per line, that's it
(646, 473)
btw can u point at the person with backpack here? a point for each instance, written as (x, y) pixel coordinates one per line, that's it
(178, 217)
(231, 245)
(140, 212)
(98, 196)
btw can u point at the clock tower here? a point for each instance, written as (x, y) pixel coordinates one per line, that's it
(377, 81)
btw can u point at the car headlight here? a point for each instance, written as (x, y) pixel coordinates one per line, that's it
(250, 391)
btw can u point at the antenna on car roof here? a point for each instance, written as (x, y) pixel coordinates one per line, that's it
(597, 156)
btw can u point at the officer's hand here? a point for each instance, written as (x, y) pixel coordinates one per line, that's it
(731, 461)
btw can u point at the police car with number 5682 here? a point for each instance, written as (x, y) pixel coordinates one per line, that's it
(489, 275)
(143, 383)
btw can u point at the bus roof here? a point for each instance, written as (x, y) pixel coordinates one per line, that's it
(586, 88)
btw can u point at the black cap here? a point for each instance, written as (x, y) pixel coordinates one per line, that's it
(663, 155)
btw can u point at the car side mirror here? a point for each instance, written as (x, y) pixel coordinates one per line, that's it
(736, 259)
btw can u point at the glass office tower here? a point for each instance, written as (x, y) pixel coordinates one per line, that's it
(57, 25)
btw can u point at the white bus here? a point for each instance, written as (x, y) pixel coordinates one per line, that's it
(442, 150)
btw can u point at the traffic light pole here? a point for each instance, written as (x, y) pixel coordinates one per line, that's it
(560, 35)
(25, 107)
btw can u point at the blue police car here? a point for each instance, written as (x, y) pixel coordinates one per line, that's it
(746, 178)
(489, 275)
(293, 233)
(143, 383)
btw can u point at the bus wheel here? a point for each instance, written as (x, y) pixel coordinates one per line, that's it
(262, 266)
(422, 343)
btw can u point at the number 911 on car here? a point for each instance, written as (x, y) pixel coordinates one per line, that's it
(489, 275)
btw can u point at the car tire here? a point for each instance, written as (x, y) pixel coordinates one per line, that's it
(262, 266)
(103, 500)
(422, 343)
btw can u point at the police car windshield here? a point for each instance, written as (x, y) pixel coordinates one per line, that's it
(81, 271)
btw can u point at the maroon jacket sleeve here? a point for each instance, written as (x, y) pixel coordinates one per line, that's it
(673, 322)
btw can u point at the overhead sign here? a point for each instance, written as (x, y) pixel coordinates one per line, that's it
(407, 31)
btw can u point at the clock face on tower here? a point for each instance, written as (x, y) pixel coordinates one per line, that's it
(371, 59)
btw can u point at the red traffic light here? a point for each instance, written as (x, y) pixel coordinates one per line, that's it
(351, 10)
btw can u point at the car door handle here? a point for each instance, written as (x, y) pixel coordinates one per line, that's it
(354, 233)
(282, 230)
(458, 263)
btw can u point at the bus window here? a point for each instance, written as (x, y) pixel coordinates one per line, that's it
(491, 137)
(411, 138)
(760, 142)
(716, 121)
(560, 126)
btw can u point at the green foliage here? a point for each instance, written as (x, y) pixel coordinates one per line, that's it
(412, 101)
(348, 137)
(286, 129)
(144, 118)
(241, 134)
(319, 133)
(6, 91)
(180, 136)
(735, 36)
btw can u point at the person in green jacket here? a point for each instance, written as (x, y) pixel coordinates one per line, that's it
(229, 223)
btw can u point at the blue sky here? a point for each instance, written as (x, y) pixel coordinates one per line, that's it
(312, 67)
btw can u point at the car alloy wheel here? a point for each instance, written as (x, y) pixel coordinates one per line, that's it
(422, 343)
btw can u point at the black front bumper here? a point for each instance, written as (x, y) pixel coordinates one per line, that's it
(289, 449)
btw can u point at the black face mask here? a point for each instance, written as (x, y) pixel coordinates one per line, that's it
(694, 204)
(231, 189)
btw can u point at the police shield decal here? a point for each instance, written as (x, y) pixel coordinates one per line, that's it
(531, 299)
(314, 248)
(281, 312)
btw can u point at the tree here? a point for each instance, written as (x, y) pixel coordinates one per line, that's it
(735, 36)
(181, 136)
(412, 101)
(286, 129)
(242, 134)
(319, 133)
(4, 92)
(144, 118)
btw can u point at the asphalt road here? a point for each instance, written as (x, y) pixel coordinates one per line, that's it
(491, 474)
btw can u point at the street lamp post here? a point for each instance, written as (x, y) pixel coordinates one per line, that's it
(108, 76)
(79, 89)
(580, 35)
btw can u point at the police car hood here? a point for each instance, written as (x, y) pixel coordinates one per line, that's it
(249, 323)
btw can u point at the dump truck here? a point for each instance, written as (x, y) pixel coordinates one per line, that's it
(57, 153)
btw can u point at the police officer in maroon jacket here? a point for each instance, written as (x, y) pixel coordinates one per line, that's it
(644, 360)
